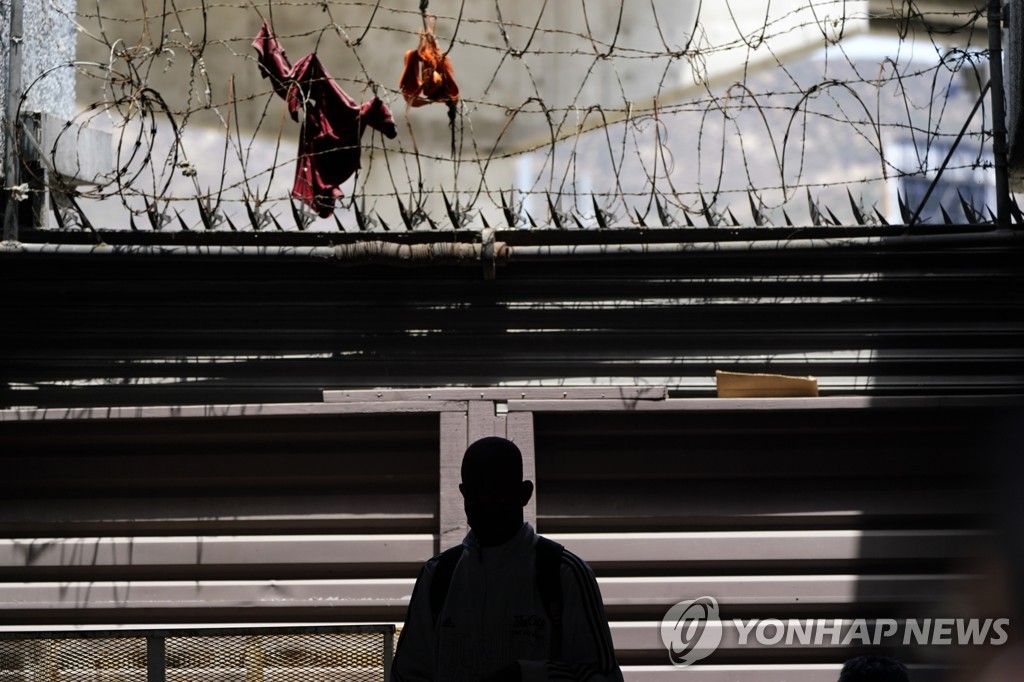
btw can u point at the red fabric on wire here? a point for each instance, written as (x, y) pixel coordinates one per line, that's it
(332, 124)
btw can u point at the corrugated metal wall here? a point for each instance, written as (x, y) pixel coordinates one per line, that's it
(870, 506)
(908, 317)
(826, 510)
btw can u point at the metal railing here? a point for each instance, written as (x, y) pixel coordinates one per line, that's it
(337, 653)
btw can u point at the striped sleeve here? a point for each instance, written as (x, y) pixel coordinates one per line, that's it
(587, 651)
(414, 661)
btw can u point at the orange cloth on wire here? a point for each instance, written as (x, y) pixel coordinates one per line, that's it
(428, 75)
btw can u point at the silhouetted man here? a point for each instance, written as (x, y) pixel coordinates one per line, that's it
(507, 604)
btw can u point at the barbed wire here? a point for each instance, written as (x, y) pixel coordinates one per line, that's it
(607, 113)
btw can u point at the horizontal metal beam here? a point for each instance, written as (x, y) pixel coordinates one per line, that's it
(501, 393)
(598, 548)
(334, 550)
(797, 672)
(425, 400)
(397, 511)
(762, 404)
(236, 410)
(472, 254)
(385, 594)
(760, 546)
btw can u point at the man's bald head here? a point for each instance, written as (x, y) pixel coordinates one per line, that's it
(492, 463)
(493, 489)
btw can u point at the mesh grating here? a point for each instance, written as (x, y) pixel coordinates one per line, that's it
(356, 655)
(117, 659)
(276, 658)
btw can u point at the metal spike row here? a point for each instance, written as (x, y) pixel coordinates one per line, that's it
(533, 223)
(639, 218)
(832, 216)
(452, 213)
(483, 218)
(337, 221)
(231, 225)
(785, 216)
(184, 225)
(708, 215)
(384, 225)
(555, 217)
(904, 211)
(510, 217)
(154, 218)
(663, 216)
(252, 215)
(969, 211)
(204, 215)
(360, 219)
(881, 218)
(858, 215)
(1015, 211)
(406, 217)
(945, 216)
(816, 218)
(579, 223)
(602, 222)
(300, 221)
(686, 215)
(732, 217)
(273, 218)
(755, 212)
(131, 223)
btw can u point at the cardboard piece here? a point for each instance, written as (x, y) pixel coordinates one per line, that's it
(742, 385)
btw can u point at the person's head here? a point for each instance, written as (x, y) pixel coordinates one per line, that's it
(874, 669)
(493, 489)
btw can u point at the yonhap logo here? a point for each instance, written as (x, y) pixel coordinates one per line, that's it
(691, 630)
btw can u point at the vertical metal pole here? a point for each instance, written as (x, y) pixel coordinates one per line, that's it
(156, 659)
(450, 515)
(12, 176)
(999, 149)
(389, 651)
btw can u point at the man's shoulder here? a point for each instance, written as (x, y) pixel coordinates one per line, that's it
(444, 561)
(570, 565)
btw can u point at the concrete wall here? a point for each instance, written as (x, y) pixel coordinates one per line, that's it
(49, 40)
(1014, 77)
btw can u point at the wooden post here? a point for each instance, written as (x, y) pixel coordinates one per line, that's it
(451, 517)
(458, 430)
(519, 427)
